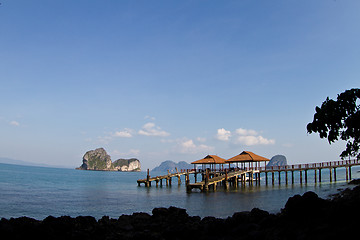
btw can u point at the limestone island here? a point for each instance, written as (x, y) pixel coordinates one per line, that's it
(99, 160)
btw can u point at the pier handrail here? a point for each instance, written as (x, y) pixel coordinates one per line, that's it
(309, 165)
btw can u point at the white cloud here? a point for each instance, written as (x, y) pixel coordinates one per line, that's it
(189, 147)
(223, 135)
(127, 133)
(15, 123)
(254, 140)
(243, 136)
(150, 129)
(246, 132)
(130, 153)
(105, 139)
(201, 139)
(150, 118)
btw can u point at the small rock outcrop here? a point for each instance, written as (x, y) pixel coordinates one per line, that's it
(98, 159)
(277, 160)
(127, 165)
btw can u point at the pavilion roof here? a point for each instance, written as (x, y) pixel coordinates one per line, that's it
(247, 156)
(210, 159)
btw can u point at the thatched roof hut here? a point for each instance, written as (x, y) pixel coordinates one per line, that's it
(212, 160)
(247, 157)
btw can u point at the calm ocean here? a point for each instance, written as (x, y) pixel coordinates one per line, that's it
(38, 192)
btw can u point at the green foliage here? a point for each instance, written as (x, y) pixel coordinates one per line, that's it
(97, 163)
(340, 119)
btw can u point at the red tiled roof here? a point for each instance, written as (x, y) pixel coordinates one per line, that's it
(247, 156)
(210, 159)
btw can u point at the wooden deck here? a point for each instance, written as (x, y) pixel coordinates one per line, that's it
(224, 177)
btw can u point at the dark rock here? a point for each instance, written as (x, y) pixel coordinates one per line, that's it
(355, 181)
(277, 160)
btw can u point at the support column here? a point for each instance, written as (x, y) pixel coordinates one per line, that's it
(226, 180)
(305, 176)
(206, 187)
(147, 183)
(292, 177)
(319, 175)
(259, 177)
(266, 178)
(315, 176)
(335, 174)
(272, 173)
(347, 173)
(286, 177)
(279, 178)
(330, 169)
(300, 177)
(350, 172)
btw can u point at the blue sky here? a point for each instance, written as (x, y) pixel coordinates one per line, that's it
(172, 80)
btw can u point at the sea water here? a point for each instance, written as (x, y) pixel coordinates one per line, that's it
(38, 192)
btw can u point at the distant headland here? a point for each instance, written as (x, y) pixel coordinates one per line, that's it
(99, 160)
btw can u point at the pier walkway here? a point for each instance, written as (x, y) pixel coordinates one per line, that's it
(252, 174)
(168, 178)
(304, 168)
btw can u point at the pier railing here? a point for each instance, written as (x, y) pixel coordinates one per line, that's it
(332, 164)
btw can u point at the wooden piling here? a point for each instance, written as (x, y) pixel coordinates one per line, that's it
(279, 178)
(350, 172)
(330, 170)
(147, 183)
(266, 178)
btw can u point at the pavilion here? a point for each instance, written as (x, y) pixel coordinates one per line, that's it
(211, 160)
(247, 157)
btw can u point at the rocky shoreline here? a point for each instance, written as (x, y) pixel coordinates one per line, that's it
(303, 217)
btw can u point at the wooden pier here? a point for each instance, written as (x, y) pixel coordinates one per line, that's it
(168, 178)
(224, 177)
(250, 175)
(303, 169)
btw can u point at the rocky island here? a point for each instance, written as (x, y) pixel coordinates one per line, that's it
(99, 160)
(170, 165)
